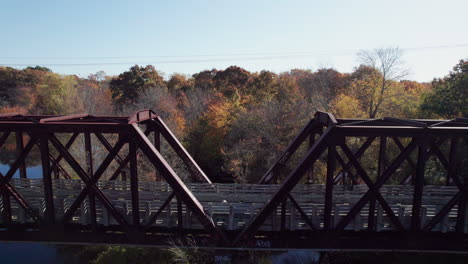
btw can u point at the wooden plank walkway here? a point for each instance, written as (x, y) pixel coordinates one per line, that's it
(233, 205)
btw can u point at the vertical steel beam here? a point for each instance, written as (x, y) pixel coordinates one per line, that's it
(49, 214)
(461, 212)
(90, 172)
(5, 194)
(157, 138)
(6, 189)
(382, 156)
(419, 184)
(331, 164)
(56, 173)
(134, 183)
(283, 215)
(19, 149)
(124, 175)
(6, 205)
(310, 172)
(452, 159)
(88, 153)
(410, 176)
(371, 218)
(180, 226)
(456, 179)
(380, 170)
(55, 166)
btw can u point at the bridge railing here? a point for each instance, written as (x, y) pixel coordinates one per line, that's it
(232, 206)
(85, 195)
(55, 141)
(419, 143)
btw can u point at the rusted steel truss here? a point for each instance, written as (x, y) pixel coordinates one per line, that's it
(330, 138)
(117, 135)
(400, 150)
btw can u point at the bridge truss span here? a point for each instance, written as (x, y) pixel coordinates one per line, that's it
(65, 147)
(375, 154)
(348, 184)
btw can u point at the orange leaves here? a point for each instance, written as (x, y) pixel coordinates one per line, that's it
(13, 109)
(219, 114)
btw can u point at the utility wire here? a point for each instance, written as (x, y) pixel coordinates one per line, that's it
(221, 54)
(168, 61)
(226, 57)
(178, 56)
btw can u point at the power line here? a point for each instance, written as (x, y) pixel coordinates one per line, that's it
(161, 56)
(224, 55)
(230, 57)
(436, 47)
(168, 61)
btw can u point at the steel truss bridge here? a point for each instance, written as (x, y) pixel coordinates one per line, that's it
(377, 193)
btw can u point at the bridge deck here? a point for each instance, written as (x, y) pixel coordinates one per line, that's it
(233, 205)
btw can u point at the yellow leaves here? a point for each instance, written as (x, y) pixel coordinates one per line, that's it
(347, 107)
(369, 87)
(180, 122)
(220, 113)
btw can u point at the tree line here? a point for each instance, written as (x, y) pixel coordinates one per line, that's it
(235, 122)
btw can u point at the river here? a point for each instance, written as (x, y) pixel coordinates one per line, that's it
(28, 252)
(11, 252)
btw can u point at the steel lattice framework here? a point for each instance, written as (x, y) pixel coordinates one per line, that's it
(44, 130)
(330, 141)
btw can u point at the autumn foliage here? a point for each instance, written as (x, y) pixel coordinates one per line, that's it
(235, 122)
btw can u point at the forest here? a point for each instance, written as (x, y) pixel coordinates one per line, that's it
(235, 122)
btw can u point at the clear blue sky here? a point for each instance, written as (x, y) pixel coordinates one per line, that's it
(284, 34)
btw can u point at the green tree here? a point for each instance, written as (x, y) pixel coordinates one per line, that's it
(204, 79)
(232, 81)
(54, 94)
(39, 68)
(128, 85)
(263, 86)
(449, 95)
(16, 86)
(180, 82)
